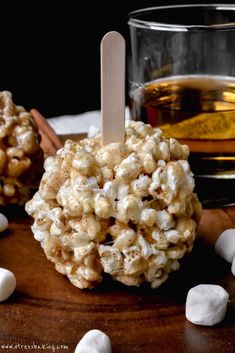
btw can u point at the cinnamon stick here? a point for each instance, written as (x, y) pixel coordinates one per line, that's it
(50, 142)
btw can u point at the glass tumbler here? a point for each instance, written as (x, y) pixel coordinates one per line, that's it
(181, 76)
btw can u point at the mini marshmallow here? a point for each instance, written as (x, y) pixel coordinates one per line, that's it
(206, 304)
(233, 266)
(3, 222)
(93, 131)
(225, 245)
(7, 284)
(94, 341)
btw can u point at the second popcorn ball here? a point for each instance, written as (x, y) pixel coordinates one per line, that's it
(125, 209)
(21, 157)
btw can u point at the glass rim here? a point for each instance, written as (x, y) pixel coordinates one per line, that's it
(164, 25)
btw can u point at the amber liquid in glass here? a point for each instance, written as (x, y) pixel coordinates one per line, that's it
(198, 111)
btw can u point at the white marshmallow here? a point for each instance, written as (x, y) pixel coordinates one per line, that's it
(3, 222)
(7, 284)
(206, 304)
(93, 131)
(94, 341)
(233, 266)
(225, 245)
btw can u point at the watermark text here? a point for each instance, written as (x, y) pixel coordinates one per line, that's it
(33, 346)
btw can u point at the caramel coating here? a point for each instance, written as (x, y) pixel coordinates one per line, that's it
(125, 209)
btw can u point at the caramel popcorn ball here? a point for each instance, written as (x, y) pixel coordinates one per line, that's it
(21, 158)
(128, 210)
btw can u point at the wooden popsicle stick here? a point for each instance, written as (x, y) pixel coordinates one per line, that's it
(113, 87)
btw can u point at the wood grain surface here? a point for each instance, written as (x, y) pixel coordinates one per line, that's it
(47, 311)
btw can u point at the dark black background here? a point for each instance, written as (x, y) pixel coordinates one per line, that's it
(49, 52)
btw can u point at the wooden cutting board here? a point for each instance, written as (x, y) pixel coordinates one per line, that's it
(47, 310)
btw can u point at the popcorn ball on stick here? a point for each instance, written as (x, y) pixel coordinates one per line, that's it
(126, 208)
